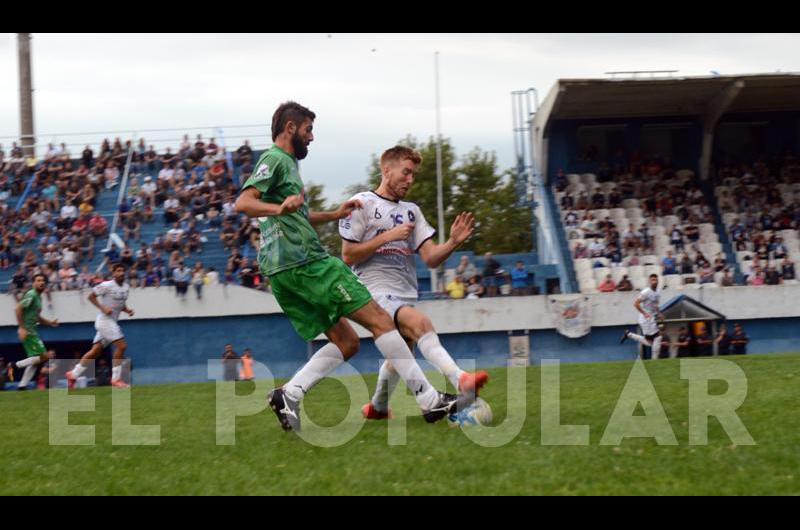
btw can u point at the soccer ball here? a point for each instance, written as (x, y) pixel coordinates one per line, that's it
(478, 413)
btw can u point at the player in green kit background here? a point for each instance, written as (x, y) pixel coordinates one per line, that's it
(29, 317)
(316, 291)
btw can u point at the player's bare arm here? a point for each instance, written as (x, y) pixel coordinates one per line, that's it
(103, 309)
(434, 255)
(21, 331)
(47, 322)
(638, 305)
(347, 207)
(355, 253)
(249, 203)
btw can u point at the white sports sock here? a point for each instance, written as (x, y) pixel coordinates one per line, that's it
(656, 353)
(394, 349)
(435, 353)
(27, 375)
(24, 363)
(387, 381)
(78, 370)
(639, 339)
(321, 364)
(116, 373)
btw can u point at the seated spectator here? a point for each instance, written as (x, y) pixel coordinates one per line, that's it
(98, 225)
(583, 202)
(456, 289)
(787, 269)
(693, 233)
(571, 220)
(614, 198)
(133, 228)
(772, 277)
(466, 269)
(567, 202)
(519, 279)
(757, 279)
(597, 249)
(625, 284)
(608, 285)
(614, 255)
(149, 189)
(175, 238)
(589, 227)
(181, 275)
(172, 210)
(581, 251)
(706, 274)
(727, 280)
(474, 288)
(598, 200)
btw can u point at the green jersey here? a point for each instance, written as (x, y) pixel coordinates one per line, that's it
(287, 241)
(31, 307)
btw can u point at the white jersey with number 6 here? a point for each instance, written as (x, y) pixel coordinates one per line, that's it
(391, 270)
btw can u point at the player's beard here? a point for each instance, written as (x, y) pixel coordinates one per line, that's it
(299, 146)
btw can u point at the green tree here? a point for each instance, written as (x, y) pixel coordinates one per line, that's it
(328, 232)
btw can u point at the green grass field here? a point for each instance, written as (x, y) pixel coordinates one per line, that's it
(436, 459)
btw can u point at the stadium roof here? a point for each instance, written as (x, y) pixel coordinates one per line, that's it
(672, 96)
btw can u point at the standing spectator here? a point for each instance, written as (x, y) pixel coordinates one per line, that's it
(466, 269)
(723, 341)
(669, 264)
(739, 341)
(519, 279)
(181, 276)
(492, 274)
(230, 362)
(246, 374)
(703, 343)
(676, 238)
(772, 277)
(706, 273)
(683, 343)
(198, 279)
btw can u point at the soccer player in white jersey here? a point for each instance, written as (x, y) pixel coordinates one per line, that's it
(111, 299)
(379, 243)
(648, 305)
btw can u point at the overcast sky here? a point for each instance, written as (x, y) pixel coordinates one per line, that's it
(368, 90)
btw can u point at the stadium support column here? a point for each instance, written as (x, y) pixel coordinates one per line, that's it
(713, 112)
(27, 139)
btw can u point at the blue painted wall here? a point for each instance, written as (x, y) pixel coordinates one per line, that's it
(166, 351)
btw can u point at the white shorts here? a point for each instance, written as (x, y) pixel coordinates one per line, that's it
(392, 304)
(108, 332)
(649, 326)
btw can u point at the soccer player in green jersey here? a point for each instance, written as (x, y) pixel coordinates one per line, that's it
(28, 318)
(316, 291)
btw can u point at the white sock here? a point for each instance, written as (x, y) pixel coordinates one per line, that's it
(656, 353)
(321, 364)
(24, 363)
(394, 349)
(435, 353)
(116, 373)
(78, 370)
(639, 339)
(27, 375)
(387, 381)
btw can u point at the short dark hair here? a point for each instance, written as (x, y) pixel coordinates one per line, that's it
(117, 266)
(653, 276)
(286, 112)
(43, 275)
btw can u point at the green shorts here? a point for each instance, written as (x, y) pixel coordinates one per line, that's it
(317, 295)
(33, 345)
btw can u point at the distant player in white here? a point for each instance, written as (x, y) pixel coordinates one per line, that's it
(111, 299)
(379, 243)
(648, 305)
